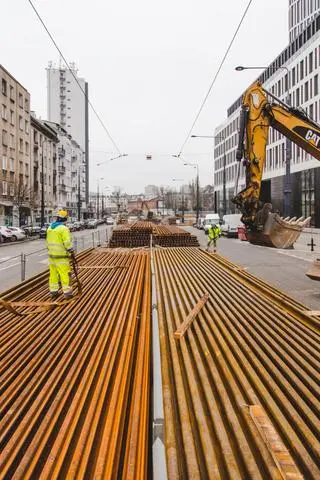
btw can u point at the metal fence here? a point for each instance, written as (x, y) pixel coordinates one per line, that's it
(82, 242)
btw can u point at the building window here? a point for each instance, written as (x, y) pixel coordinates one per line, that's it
(11, 93)
(27, 148)
(4, 87)
(12, 117)
(4, 162)
(20, 122)
(311, 62)
(4, 112)
(27, 126)
(26, 104)
(306, 91)
(20, 100)
(4, 188)
(11, 140)
(316, 85)
(21, 145)
(293, 75)
(4, 138)
(301, 70)
(11, 164)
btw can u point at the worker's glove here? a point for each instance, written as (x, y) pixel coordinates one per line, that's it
(71, 252)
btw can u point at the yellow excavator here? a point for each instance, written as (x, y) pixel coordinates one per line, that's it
(258, 114)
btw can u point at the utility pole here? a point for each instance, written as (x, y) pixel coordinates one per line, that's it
(98, 201)
(79, 198)
(42, 186)
(224, 178)
(182, 191)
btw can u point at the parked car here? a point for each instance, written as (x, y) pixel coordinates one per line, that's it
(210, 219)
(92, 224)
(230, 224)
(31, 230)
(6, 234)
(17, 233)
(71, 226)
(77, 226)
(43, 230)
(109, 221)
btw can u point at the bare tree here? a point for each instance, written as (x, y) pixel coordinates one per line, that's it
(23, 197)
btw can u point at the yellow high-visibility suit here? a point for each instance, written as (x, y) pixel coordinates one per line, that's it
(214, 233)
(59, 244)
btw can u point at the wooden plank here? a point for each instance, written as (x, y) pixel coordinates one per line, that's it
(280, 454)
(312, 313)
(179, 333)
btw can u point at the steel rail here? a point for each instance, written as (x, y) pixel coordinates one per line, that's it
(75, 381)
(243, 349)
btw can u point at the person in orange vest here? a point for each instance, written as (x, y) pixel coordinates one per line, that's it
(59, 245)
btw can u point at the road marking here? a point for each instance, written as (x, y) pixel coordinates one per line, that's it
(9, 266)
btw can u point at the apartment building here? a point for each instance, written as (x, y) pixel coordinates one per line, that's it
(44, 145)
(294, 73)
(301, 13)
(69, 173)
(15, 169)
(68, 106)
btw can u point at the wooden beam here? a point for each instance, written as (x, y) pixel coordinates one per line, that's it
(179, 333)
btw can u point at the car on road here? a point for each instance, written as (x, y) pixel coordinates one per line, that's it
(31, 230)
(92, 224)
(71, 226)
(230, 224)
(109, 221)
(43, 231)
(78, 226)
(6, 234)
(210, 219)
(17, 233)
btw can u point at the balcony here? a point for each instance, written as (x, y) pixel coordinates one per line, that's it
(63, 187)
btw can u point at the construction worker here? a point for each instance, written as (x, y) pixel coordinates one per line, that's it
(214, 233)
(59, 244)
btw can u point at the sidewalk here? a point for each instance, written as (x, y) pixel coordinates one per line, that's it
(20, 242)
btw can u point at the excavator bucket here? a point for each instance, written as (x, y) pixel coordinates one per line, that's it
(278, 232)
(314, 272)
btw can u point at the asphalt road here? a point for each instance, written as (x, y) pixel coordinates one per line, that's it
(36, 255)
(285, 269)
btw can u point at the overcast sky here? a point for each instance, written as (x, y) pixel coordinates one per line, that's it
(149, 65)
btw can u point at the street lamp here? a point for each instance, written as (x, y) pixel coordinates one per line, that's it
(98, 199)
(287, 180)
(182, 192)
(196, 165)
(224, 198)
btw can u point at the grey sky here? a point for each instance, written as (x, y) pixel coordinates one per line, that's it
(149, 64)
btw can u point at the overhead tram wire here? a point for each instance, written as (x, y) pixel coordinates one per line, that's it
(216, 76)
(75, 78)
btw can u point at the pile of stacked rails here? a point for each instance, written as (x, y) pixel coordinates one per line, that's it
(138, 235)
(130, 236)
(172, 236)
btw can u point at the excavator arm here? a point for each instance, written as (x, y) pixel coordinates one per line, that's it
(257, 116)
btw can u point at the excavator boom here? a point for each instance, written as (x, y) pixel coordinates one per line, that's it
(257, 116)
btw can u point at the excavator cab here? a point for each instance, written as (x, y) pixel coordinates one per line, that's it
(258, 114)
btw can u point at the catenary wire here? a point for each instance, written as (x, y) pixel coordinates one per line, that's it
(75, 78)
(216, 75)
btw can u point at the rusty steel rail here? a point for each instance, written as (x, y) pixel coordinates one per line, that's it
(75, 381)
(138, 235)
(241, 389)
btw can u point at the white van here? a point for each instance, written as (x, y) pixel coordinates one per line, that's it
(210, 219)
(230, 224)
